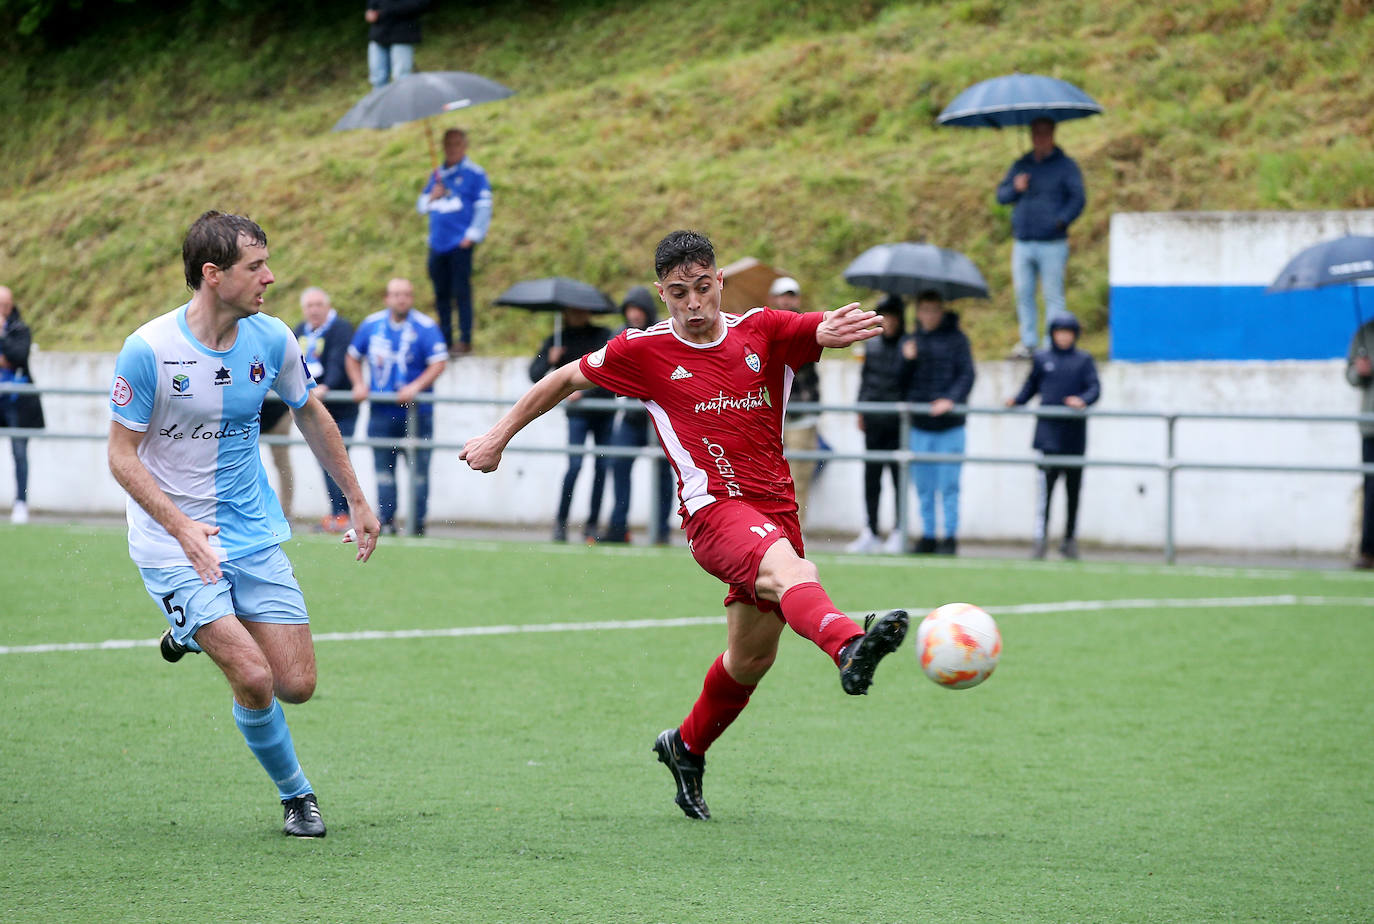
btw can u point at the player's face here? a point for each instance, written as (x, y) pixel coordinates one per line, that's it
(692, 294)
(242, 285)
(455, 148)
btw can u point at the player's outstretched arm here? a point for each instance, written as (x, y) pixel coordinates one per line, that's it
(847, 325)
(483, 453)
(322, 434)
(133, 476)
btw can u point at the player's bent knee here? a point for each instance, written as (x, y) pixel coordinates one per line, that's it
(296, 689)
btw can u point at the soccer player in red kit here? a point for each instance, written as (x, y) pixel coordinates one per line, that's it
(715, 386)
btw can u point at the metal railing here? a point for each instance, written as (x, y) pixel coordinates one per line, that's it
(1169, 465)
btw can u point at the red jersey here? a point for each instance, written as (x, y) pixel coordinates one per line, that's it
(717, 407)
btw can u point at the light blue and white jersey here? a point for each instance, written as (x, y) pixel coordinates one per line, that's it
(397, 354)
(199, 409)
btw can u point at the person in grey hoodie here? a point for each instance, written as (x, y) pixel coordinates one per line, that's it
(1063, 376)
(1359, 371)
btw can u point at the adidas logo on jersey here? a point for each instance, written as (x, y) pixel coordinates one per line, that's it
(680, 373)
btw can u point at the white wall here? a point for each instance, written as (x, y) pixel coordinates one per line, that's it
(1313, 513)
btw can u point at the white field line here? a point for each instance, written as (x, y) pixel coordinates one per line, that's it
(1017, 609)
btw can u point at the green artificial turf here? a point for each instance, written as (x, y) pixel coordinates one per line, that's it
(1198, 752)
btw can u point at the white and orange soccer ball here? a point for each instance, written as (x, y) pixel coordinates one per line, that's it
(958, 645)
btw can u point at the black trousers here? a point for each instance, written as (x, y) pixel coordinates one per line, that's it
(1367, 532)
(881, 432)
(1073, 483)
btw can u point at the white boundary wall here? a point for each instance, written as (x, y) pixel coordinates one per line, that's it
(1274, 512)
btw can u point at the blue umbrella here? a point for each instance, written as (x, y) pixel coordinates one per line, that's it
(1018, 99)
(1344, 260)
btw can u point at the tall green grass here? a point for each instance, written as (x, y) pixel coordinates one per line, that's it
(800, 134)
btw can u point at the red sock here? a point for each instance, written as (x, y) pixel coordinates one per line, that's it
(811, 614)
(722, 699)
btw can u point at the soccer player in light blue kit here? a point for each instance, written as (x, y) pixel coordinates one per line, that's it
(205, 528)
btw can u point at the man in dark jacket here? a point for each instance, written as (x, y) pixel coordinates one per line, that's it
(324, 338)
(632, 430)
(1063, 376)
(939, 372)
(392, 34)
(881, 381)
(799, 428)
(1359, 372)
(17, 410)
(1047, 188)
(579, 337)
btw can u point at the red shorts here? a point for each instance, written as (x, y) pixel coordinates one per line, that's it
(729, 537)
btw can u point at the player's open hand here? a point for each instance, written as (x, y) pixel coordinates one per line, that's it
(482, 453)
(847, 325)
(194, 537)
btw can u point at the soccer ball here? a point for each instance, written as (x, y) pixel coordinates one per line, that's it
(958, 645)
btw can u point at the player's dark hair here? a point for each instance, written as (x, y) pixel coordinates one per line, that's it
(930, 295)
(214, 238)
(461, 133)
(683, 248)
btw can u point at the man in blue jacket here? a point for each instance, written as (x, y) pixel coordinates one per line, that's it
(1047, 189)
(457, 200)
(1063, 376)
(938, 371)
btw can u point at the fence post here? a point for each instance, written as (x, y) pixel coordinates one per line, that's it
(1170, 424)
(903, 475)
(413, 492)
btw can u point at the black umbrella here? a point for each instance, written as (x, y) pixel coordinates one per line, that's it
(1344, 260)
(418, 96)
(555, 293)
(1018, 99)
(907, 268)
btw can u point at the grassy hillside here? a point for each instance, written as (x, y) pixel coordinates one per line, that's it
(797, 133)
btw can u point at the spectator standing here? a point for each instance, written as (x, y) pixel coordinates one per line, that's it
(393, 31)
(1047, 188)
(404, 353)
(632, 430)
(881, 380)
(939, 372)
(799, 427)
(324, 338)
(24, 411)
(1063, 376)
(457, 200)
(1359, 371)
(579, 338)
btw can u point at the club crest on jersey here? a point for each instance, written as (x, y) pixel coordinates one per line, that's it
(257, 371)
(752, 361)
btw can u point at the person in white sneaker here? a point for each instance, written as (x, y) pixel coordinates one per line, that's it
(23, 411)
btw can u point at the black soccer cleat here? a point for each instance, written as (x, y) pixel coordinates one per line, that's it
(687, 769)
(172, 650)
(859, 659)
(301, 817)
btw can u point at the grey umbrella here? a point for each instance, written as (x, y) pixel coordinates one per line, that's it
(908, 268)
(1018, 99)
(416, 96)
(1343, 260)
(555, 293)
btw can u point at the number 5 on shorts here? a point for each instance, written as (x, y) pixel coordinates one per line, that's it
(178, 611)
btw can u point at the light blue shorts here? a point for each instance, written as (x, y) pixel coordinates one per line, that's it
(259, 587)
